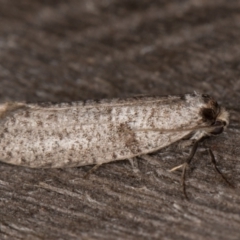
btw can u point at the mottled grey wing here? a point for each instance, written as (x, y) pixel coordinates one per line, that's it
(81, 133)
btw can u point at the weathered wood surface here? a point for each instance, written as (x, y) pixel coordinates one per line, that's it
(74, 50)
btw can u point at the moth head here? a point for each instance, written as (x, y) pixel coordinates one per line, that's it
(215, 115)
(221, 122)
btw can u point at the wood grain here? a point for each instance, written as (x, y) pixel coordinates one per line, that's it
(76, 50)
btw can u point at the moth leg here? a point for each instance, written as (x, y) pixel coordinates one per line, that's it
(213, 160)
(134, 164)
(93, 169)
(184, 167)
(186, 143)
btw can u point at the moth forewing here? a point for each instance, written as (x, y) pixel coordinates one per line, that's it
(96, 132)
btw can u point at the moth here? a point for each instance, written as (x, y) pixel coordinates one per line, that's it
(47, 135)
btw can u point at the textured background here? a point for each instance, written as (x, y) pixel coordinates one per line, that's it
(73, 50)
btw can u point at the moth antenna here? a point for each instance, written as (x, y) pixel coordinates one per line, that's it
(213, 160)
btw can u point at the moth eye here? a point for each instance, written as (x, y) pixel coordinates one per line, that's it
(208, 114)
